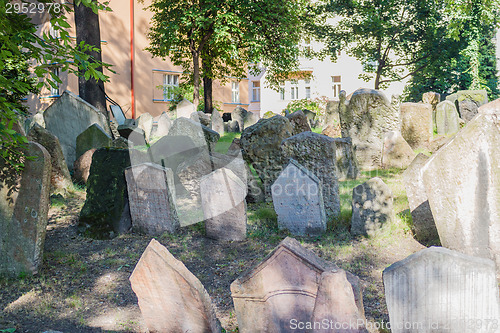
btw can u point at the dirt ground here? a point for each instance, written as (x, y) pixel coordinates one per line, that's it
(83, 284)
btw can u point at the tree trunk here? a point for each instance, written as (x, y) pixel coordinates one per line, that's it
(207, 94)
(87, 30)
(196, 80)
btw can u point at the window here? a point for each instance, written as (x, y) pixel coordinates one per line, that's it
(308, 88)
(256, 91)
(54, 91)
(294, 90)
(53, 32)
(336, 85)
(235, 92)
(170, 81)
(282, 91)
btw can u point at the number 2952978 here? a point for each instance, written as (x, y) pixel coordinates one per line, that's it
(32, 8)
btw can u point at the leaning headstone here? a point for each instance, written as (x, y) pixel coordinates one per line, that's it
(446, 118)
(311, 117)
(81, 167)
(224, 206)
(38, 119)
(423, 221)
(416, 123)
(24, 207)
(298, 201)
(299, 122)
(216, 122)
(467, 110)
(318, 154)
(347, 165)
(232, 126)
(396, 152)
(366, 119)
(145, 122)
(201, 117)
(200, 135)
(60, 178)
(151, 197)
(371, 207)
(93, 137)
(184, 109)
(170, 297)
(462, 181)
(69, 116)
(282, 289)
(250, 119)
(238, 115)
(101, 215)
(260, 145)
(163, 126)
(439, 290)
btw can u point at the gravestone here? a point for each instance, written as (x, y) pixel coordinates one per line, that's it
(145, 122)
(318, 154)
(163, 126)
(170, 297)
(250, 119)
(462, 182)
(366, 119)
(118, 114)
(347, 165)
(201, 117)
(311, 117)
(299, 122)
(184, 109)
(431, 98)
(298, 201)
(172, 150)
(121, 142)
(396, 152)
(371, 207)
(38, 119)
(467, 110)
(238, 115)
(260, 145)
(331, 114)
(416, 123)
(269, 114)
(332, 130)
(224, 206)
(101, 215)
(217, 123)
(232, 126)
(133, 134)
(282, 288)
(423, 221)
(439, 290)
(151, 197)
(81, 167)
(69, 116)
(446, 118)
(24, 207)
(479, 97)
(202, 136)
(93, 137)
(60, 178)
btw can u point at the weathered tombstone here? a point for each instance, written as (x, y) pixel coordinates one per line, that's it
(331, 113)
(184, 109)
(60, 178)
(38, 119)
(201, 117)
(462, 182)
(431, 98)
(281, 290)
(224, 206)
(260, 145)
(81, 167)
(118, 114)
(69, 116)
(200, 135)
(133, 134)
(318, 154)
(416, 123)
(250, 119)
(101, 215)
(170, 297)
(235, 148)
(311, 117)
(467, 110)
(232, 126)
(347, 165)
(172, 150)
(145, 122)
(120, 142)
(298, 201)
(446, 118)
(439, 290)
(151, 197)
(423, 221)
(238, 115)
(163, 126)
(216, 122)
(371, 207)
(332, 130)
(366, 119)
(24, 207)
(299, 122)
(335, 308)
(479, 97)
(269, 114)
(396, 152)
(93, 137)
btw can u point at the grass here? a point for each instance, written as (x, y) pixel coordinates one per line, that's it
(225, 141)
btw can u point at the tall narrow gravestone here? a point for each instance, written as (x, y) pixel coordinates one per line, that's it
(151, 194)
(93, 137)
(298, 201)
(446, 118)
(439, 290)
(24, 206)
(184, 109)
(170, 297)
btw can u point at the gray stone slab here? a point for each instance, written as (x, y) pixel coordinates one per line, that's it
(217, 122)
(396, 152)
(439, 290)
(151, 197)
(347, 165)
(145, 122)
(163, 126)
(416, 123)
(93, 137)
(202, 136)
(184, 109)
(446, 118)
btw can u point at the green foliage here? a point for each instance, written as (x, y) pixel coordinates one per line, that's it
(316, 105)
(20, 46)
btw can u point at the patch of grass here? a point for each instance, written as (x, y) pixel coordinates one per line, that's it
(424, 151)
(57, 200)
(225, 141)
(317, 130)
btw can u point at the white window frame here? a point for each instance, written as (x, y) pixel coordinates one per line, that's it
(282, 91)
(294, 90)
(170, 82)
(235, 92)
(308, 92)
(336, 85)
(255, 91)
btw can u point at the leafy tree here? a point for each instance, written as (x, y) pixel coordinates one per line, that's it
(387, 36)
(217, 39)
(20, 47)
